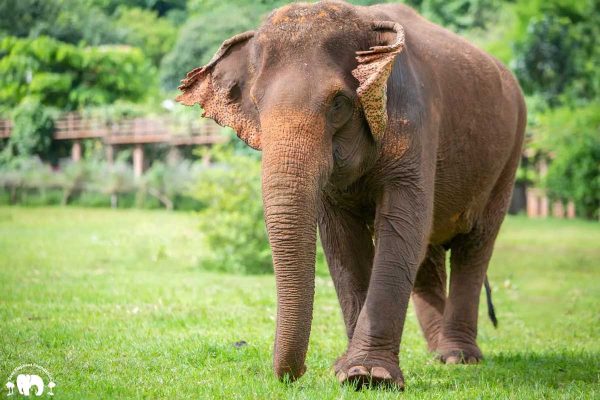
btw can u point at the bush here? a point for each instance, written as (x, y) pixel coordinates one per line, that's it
(113, 180)
(22, 174)
(168, 182)
(233, 221)
(32, 131)
(572, 138)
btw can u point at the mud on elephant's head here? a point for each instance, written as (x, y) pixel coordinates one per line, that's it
(324, 64)
(309, 89)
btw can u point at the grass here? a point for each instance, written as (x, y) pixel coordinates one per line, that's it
(114, 304)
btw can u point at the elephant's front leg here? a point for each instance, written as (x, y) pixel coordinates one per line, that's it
(401, 228)
(348, 245)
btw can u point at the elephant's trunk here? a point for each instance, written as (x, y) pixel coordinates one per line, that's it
(291, 182)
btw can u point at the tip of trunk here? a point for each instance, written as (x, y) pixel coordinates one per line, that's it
(289, 374)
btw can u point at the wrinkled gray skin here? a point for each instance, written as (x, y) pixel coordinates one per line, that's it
(391, 183)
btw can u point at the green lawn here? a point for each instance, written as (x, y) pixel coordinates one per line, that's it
(115, 305)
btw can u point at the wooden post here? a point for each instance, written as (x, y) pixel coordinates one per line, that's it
(138, 160)
(76, 151)
(110, 153)
(173, 156)
(558, 209)
(571, 210)
(532, 203)
(544, 206)
(70, 125)
(206, 159)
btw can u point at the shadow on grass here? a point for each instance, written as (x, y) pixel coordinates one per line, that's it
(520, 371)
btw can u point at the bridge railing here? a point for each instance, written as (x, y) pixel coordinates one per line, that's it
(138, 130)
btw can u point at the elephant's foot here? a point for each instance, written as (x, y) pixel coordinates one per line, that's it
(459, 353)
(369, 370)
(339, 364)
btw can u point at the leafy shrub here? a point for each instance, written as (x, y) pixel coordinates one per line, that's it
(113, 180)
(232, 221)
(573, 140)
(165, 182)
(32, 131)
(23, 173)
(73, 177)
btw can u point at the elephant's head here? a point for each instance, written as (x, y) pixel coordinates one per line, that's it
(308, 88)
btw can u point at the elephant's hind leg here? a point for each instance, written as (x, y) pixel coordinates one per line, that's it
(429, 294)
(469, 259)
(470, 256)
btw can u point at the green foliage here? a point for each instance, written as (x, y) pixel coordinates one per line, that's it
(201, 36)
(212, 22)
(113, 179)
(71, 21)
(460, 15)
(555, 57)
(93, 182)
(162, 7)
(574, 139)
(24, 172)
(117, 111)
(33, 127)
(232, 221)
(70, 77)
(144, 29)
(165, 182)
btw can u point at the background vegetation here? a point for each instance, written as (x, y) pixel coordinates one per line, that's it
(63, 55)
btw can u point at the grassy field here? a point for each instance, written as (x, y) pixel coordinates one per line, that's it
(115, 305)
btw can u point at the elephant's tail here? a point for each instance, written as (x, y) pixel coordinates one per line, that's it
(490, 305)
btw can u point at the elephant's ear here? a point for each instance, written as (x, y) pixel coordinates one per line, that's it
(222, 88)
(373, 70)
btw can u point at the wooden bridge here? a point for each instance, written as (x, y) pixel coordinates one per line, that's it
(134, 131)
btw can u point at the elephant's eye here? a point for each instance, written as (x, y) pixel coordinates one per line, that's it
(340, 110)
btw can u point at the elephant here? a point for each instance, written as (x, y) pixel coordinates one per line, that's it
(398, 141)
(25, 382)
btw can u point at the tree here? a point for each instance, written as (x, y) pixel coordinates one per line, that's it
(460, 15)
(144, 29)
(233, 217)
(70, 77)
(71, 21)
(201, 36)
(554, 58)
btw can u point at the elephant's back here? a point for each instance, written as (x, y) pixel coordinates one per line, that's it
(481, 110)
